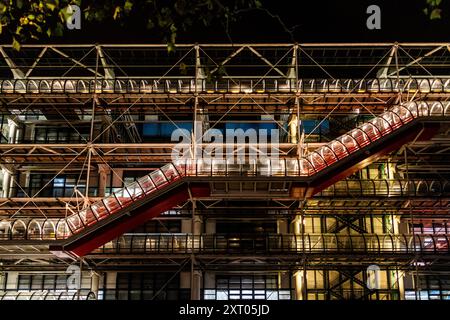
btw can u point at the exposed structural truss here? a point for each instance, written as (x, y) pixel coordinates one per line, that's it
(161, 190)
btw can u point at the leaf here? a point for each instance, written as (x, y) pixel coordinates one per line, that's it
(58, 30)
(128, 6)
(150, 24)
(50, 6)
(117, 12)
(183, 68)
(16, 44)
(49, 32)
(170, 47)
(435, 14)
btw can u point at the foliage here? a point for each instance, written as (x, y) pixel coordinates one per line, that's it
(24, 20)
(433, 9)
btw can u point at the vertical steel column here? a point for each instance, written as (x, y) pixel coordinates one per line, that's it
(91, 134)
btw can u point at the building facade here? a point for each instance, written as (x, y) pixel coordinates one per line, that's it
(222, 172)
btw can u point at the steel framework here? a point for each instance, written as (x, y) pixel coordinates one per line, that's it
(79, 122)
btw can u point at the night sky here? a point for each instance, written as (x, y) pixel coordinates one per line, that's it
(316, 21)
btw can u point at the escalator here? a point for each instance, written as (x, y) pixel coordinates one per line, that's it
(175, 183)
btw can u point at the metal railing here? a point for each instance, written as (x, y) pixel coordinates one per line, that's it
(225, 85)
(314, 162)
(277, 244)
(47, 295)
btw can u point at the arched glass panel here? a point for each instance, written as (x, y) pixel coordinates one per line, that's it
(34, 230)
(339, 147)
(328, 155)
(5, 230)
(361, 137)
(19, 230)
(372, 131)
(436, 85)
(437, 109)
(48, 230)
(317, 161)
(62, 230)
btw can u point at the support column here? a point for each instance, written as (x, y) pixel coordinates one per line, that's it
(197, 221)
(196, 285)
(12, 281)
(12, 131)
(210, 280)
(297, 226)
(7, 180)
(196, 275)
(298, 285)
(282, 226)
(185, 281)
(293, 128)
(103, 171)
(401, 284)
(210, 226)
(28, 133)
(95, 283)
(197, 224)
(110, 286)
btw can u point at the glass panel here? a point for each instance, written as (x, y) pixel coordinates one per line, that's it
(317, 161)
(277, 167)
(112, 204)
(48, 230)
(123, 196)
(436, 109)
(393, 119)
(360, 136)
(135, 190)
(339, 148)
(328, 155)
(63, 230)
(383, 126)
(158, 178)
(423, 109)
(264, 168)
(88, 217)
(170, 172)
(349, 142)
(74, 223)
(100, 210)
(371, 131)
(306, 169)
(292, 167)
(404, 113)
(146, 183)
(218, 167)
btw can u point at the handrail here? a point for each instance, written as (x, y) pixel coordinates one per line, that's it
(277, 244)
(56, 229)
(313, 163)
(225, 85)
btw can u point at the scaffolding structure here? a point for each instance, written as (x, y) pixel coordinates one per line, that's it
(362, 180)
